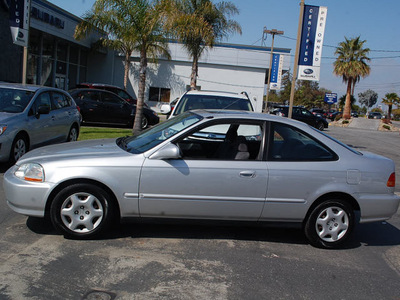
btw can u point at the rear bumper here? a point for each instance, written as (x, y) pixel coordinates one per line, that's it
(378, 207)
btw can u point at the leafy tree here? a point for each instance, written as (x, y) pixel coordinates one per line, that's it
(342, 102)
(351, 65)
(390, 100)
(131, 25)
(368, 98)
(199, 24)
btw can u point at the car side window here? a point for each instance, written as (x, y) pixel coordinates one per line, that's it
(60, 100)
(88, 96)
(43, 99)
(111, 98)
(224, 141)
(291, 144)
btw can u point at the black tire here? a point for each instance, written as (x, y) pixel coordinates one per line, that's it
(18, 148)
(320, 126)
(145, 122)
(329, 224)
(82, 211)
(73, 134)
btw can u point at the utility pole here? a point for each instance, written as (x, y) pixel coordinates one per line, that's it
(273, 32)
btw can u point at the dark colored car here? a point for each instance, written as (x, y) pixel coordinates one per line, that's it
(111, 88)
(354, 114)
(318, 112)
(104, 107)
(374, 115)
(303, 115)
(333, 114)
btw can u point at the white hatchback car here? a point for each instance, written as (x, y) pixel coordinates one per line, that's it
(208, 100)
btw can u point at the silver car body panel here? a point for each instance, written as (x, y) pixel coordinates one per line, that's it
(210, 189)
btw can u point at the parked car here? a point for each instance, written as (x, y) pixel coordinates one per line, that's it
(354, 114)
(208, 100)
(104, 107)
(333, 114)
(375, 115)
(319, 112)
(33, 116)
(111, 88)
(303, 115)
(208, 165)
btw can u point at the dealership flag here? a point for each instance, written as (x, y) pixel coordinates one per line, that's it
(312, 37)
(19, 21)
(276, 72)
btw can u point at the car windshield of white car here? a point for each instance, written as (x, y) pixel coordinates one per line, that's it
(190, 102)
(14, 101)
(155, 135)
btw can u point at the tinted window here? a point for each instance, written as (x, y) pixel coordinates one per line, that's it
(190, 102)
(290, 144)
(60, 100)
(14, 101)
(111, 98)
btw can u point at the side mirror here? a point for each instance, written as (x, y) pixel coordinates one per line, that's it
(43, 110)
(170, 151)
(165, 109)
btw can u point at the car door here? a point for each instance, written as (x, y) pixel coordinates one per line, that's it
(118, 110)
(41, 127)
(62, 115)
(90, 104)
(204, 183)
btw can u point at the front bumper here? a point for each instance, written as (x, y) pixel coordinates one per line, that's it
(27, 198)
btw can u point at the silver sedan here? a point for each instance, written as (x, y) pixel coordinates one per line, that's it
(211, 165)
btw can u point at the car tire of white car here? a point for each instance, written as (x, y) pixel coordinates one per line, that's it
(329, 224)
(82, 211)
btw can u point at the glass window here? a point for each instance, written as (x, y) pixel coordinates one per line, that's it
(74, 54)
(111, 98)
(62, 51)
(223, 141)
(159, 94)
(291, 144)
(60, 100)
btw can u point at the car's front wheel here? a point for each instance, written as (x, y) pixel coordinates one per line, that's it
(329, 224)
(18, 148)
(82, 211)
(320, 126)
(145, 122)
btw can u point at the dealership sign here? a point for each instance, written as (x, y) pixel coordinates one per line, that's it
(19, 21)
(312, 37)
(276, 72)
(330, 98)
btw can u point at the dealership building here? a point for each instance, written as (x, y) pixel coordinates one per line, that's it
(55, 58)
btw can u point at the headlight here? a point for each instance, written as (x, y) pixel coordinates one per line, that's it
(2, 128)
(30, 172)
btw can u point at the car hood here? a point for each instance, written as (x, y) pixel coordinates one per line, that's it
(5, 116)
(76, 150)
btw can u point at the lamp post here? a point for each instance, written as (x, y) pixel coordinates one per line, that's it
(273, 32)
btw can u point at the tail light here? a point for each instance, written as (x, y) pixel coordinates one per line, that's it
(392, 180)
(78, 108)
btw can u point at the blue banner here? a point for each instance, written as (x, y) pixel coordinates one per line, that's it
(330, 98)
(19, 21)
(312, 36)
(276, 72)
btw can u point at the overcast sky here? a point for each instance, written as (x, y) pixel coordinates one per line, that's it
(377, 22)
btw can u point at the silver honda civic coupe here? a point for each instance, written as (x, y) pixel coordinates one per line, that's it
(212, 165)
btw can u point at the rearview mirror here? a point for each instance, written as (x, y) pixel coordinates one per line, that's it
(165, 109)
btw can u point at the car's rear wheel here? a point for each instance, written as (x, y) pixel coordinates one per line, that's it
(329, 224)
(145, 122)
(73, 134)
(18, 148)
(82, 211)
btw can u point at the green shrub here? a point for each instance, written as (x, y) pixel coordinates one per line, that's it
(386, 127)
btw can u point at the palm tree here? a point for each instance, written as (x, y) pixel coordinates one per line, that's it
(351, 65)
(389, 100)
(131, 25)
(199, 24)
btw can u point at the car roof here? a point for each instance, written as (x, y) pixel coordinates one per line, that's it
(20, 86)
(98, 85)
(218, 93)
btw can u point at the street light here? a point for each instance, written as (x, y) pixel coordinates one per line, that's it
(273, 32)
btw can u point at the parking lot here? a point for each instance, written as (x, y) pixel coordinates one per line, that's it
(203, 261)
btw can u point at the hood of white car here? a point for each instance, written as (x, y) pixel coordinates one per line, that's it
(76, 150)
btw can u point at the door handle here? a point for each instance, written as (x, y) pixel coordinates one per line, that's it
(247, 174)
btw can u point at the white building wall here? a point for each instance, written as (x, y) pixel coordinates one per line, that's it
(231, 68)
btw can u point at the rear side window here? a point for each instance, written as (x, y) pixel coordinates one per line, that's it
(60, 100)
(190, 102)
(290, 144)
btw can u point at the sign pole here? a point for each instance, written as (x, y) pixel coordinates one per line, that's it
(296, 59)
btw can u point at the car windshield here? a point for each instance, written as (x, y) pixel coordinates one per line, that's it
(190, 102)
(157, 134)
(14, 100)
